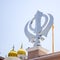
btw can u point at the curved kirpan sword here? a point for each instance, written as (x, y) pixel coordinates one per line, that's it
(44, 32)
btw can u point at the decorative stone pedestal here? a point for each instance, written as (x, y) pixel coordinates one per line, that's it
(35, 52)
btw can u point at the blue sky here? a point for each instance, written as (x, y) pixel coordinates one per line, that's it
(14, 14)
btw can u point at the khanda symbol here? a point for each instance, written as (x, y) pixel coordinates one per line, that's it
(39, 30)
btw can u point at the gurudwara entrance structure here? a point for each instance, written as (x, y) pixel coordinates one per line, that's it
(39, 32)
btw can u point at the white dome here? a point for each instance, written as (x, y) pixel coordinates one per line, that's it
(12, 58)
